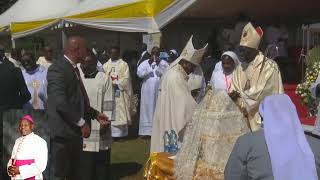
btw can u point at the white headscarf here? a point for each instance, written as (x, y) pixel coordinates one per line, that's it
(218, 79)
(290, 154)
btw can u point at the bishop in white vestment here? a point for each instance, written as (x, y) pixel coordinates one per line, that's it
(150, 71)
(29, 155)
(118, 70)
(175, 104)
(256, 78)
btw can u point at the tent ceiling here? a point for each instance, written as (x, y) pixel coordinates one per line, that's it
(254, 8)
(35, 10)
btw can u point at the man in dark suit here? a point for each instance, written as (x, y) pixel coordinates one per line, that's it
(13, 92)
(69, 111)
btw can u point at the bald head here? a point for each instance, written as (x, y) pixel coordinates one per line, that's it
(76, 49)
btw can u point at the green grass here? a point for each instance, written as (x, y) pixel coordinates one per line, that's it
(128, 158)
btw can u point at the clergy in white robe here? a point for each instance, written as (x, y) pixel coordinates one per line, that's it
(256, 78)
(118, 70)
(175, 104)
(150, 71)
(222, 74)
(95, 159)
(29, 155)
(98, 86)
(35, 77)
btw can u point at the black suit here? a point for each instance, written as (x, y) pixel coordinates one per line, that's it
(13, 92)
(66, 106)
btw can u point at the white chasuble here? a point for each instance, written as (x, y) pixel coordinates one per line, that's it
(254, 85)
(119, 73)
(174, 108)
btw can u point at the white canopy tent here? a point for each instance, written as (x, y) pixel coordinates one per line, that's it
(36, 10)
(30, 16)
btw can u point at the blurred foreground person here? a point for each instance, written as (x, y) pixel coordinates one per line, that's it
(280, 150)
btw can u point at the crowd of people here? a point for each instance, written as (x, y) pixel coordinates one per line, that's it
(238, 125)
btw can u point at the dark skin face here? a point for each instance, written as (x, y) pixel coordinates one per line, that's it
(48, 53)
(247, 54)
(29, 63)
(187, 66)
(228, 64)
(155, 51)
(114, 54)
(172, 56)
(89, 65)
(195, 93)
(25, 127)
(16, 55)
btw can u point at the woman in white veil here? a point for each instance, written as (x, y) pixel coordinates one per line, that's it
(222, 74)
(209, 138)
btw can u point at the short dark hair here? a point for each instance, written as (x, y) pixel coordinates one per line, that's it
(15, 52)
(116, 48)
(91, 54)
(29, 54)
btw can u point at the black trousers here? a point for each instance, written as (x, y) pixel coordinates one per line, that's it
(95, 165)
(65, 158)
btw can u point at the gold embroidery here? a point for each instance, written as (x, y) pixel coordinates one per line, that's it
(35, 85)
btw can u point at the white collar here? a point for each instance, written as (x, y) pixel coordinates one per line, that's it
(71, 62)
(29, 135)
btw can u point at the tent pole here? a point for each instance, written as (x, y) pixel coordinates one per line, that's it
(13, 42)
(63, 38)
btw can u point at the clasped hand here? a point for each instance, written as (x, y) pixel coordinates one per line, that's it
(13, 171)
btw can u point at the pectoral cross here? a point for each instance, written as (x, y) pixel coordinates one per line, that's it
(35, 84)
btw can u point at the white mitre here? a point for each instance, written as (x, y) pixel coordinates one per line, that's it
(193, 55)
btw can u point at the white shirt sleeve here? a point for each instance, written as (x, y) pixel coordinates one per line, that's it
(144, 70)
(34, 169)
(81, 122)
